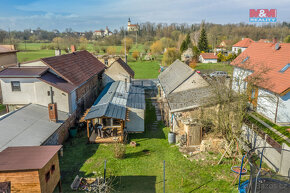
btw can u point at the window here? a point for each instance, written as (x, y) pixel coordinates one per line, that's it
(15, 85)
(245, 59)
(47, 176)
(106, 62)
(285, 68)
(253, 94)
(245, 85)
(52, 169)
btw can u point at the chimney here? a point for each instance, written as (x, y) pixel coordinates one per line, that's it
(274, 40)
(72, 48)
(57, 52)
(52, 108)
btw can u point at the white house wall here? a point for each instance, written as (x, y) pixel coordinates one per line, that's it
(32, 91)
(236, 49)
(283, 115)
(266, 103)
(115, 73)
(35, 63)
(239, 74)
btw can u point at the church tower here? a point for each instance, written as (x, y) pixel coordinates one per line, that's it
(129, 21)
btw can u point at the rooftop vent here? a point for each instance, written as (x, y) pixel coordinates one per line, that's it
(277, 46)
(285, 68)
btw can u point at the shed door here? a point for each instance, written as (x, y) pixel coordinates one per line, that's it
(194, 135)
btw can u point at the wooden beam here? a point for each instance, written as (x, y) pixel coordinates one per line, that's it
(88, 129)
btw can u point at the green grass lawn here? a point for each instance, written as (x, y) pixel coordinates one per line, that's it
(211, 67)
(142, 168)
(145, 69)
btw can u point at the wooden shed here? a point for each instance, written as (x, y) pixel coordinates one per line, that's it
(31, 168)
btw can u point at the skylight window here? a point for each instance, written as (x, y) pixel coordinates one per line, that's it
(285, 68)
(246, 59)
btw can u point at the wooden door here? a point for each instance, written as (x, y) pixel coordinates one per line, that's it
(194, 136)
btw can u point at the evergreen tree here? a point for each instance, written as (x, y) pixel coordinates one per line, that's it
(186, 43)
(202, 42)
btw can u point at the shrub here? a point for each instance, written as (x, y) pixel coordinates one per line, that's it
(119, 150)
(135, 55)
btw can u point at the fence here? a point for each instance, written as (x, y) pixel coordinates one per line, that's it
(275, 158)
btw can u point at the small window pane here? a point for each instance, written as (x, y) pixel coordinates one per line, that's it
(15, 85)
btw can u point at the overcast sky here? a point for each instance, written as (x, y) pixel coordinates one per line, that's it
(86, 15)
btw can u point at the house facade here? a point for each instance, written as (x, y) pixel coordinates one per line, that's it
(8, 56)
(242, 45)
(182, 94)
(102, 33)
(263, 71)
(132, 27)
(208, 58)
(118, 71)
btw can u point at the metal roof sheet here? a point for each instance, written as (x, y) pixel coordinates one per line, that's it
(115, 98)
(28, 126)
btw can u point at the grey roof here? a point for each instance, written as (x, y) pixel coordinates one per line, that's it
(115, 98)
(28, 126)
(190, 98)
(174, 75)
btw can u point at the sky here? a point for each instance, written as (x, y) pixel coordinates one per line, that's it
(87, 15)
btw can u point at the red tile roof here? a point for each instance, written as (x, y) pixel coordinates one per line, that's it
(26, 157)
(76, 68)
(244, 43)
(126, 67)
(22, 72)
(209, 56)
(266, 62)
(57, 82)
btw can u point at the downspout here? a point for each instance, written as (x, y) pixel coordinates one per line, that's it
(277, 104)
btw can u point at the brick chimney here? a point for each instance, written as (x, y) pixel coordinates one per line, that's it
(72, 48)
(52, 110)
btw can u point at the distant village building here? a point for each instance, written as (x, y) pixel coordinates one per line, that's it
(187, 55)
(183, 94)
(208, 58)
(31, 169)
(132, 27)
(224, 46)
(269, 65)
(109, 59)
(242, 45)
(102, 33)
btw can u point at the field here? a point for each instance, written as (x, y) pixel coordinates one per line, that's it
(208, 68)
(142, 168)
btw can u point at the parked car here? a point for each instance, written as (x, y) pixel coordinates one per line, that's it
(217, 74)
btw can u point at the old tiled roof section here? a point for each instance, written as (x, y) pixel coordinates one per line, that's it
(126, 67)
(266, 61)
(244, 43)
(209, 56)
(57, 82)
(7, 49)
(26, 157)
(76, 67)
(174, 76)
(23, 72)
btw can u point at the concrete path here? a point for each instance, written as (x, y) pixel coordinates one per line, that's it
(271, 128)
(158, 114)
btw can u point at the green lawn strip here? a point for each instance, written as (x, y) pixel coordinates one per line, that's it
(272, 134)
(211, 67)
(281, 129)
(145, 69)
(142, 168)
(2, 107)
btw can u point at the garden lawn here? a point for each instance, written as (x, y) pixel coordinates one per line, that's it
(211, 67)
(145, 69)
(142, 168)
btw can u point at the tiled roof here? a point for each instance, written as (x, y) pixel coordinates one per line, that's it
(209, 56)
(244, 43)
(23, 72)
(26, 157)
(126, 67)
(76, 67)
(174, 75)
(57, 82)
(264, 60)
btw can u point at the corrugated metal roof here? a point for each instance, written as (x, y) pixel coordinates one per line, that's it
(174, 75)
(26, 158)
(114, 100)
(28, 126)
